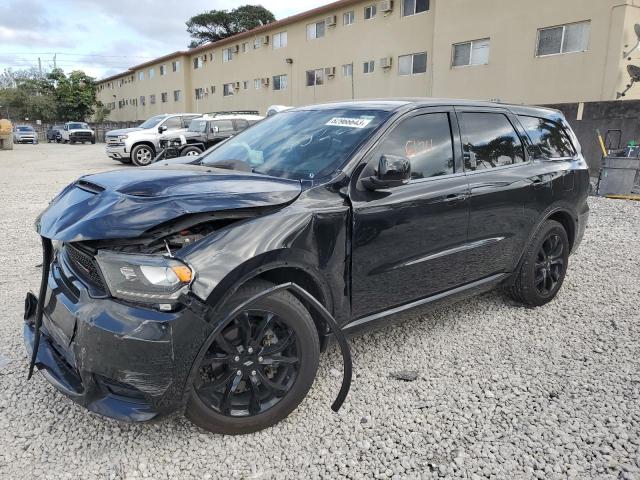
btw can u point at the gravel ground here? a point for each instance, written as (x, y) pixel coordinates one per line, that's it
(502, 391)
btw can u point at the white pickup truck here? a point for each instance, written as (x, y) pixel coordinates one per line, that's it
(141, 144)
(77, 132)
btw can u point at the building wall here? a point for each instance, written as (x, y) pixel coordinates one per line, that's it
(513, 74)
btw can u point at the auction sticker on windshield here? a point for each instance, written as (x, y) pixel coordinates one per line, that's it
(349, 122)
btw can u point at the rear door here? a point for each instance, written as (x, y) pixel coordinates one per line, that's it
(408, 241)
(497, 166)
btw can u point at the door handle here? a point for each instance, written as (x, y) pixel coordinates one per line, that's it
(454, 198)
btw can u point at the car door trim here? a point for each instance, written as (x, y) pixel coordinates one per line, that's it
(424, 301)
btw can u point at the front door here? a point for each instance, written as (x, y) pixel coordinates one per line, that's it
(408, 241)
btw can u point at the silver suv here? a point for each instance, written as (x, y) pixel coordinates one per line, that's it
(140, 144)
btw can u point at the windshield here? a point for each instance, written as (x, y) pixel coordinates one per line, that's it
(78, 126)
(153, 121)
(198, 125)
(302, 144)
(24, 129)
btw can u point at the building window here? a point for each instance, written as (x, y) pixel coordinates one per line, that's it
(279, 82)
(212, 56)
(315, 77)
(257, 83)
(348, 18)
(412, 7)
(142, 100)
(152, 72)
(197, 62)
(228, 89)
(245, 47)
(213, 89)
(573, 37)
(199, 93)
(471, 53)
(176, 95)
(370, 12)
(245, 85)
(227, 55)
(315, 30)
(257, 43)
(152, 99)
(175, 65)
(164, 97)
(279, 40)
(140, 75)
(412, 64)
(369, 67)
(347, 70)
(163, 70)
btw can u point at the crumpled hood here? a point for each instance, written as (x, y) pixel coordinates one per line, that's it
(126, 203)
(122, 131)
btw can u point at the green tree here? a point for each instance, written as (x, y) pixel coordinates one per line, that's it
(75, 95)
(27, 94)
(102, 113)
(215, 25)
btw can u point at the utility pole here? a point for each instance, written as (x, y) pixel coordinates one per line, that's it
(54, 61)
(40, 66)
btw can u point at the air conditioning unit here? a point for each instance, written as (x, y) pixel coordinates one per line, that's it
(330, 71)
(386, 62)
(386, 6)
(331, 20)
(235, 49)
(265, 39)
(265, 82)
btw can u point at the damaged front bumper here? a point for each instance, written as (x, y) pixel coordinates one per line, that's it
(122, 361)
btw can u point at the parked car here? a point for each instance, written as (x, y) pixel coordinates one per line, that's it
(140, 145)
(273, 109)
(25, 134)
(54, 133)
(203, 133)
(173, 288)
(77, 132)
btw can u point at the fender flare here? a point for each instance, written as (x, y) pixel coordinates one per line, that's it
(341, 339)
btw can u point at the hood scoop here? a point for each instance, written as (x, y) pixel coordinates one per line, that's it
(89, 186)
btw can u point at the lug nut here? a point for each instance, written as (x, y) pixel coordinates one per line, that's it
(250, 350)
(239, 372)
(236, 358)
(253, 373)
(259, 359)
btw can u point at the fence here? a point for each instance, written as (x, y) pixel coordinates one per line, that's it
(100, 128)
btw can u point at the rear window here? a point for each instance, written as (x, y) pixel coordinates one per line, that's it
(549, 137)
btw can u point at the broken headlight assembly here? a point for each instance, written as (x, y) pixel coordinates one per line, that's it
(152, 279)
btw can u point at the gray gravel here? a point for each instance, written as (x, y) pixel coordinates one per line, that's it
(501, 391)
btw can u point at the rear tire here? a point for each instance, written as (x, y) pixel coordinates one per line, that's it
(543, 267)
(290, 325)
(190, 152)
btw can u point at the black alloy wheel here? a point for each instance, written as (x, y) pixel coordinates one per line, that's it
(543, 266)
(550, 264)
(258, 368)
(250, 366)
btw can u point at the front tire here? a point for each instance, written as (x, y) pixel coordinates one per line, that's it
(543, 267)
(142, 155)
(190, 152)
(259, 368)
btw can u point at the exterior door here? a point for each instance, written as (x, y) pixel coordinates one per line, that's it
(498, 169)
(408, 240)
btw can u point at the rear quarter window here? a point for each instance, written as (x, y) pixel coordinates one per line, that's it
(549, 137)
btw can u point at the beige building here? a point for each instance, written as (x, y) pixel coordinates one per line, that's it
(547, 51)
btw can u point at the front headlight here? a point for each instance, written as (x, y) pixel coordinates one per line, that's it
(144, 278)
(122, 138)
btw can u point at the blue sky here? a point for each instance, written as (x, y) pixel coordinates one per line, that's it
(103, 37)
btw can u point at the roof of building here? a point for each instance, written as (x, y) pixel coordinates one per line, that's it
(234, 38)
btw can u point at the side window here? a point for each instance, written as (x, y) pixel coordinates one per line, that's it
(489, 141)
(187, 120)
(548, 137)
(224, 126)
(426, 141)
(173, 123)
(241, 125)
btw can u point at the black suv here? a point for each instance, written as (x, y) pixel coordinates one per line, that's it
(203, 133)
(211, 288)
(54, 133)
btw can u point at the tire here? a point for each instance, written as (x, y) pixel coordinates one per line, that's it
(142, 155)
(546, 259)
(190, 152)
(73, 142)
(286, 309)
(93, 141)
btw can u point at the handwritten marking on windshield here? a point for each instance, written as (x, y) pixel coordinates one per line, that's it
(349, 122)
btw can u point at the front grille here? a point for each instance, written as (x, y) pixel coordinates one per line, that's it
(85, 265)
(81, 135)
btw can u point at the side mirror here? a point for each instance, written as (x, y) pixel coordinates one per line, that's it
(215, 129)
(393, 171)
(162, 128)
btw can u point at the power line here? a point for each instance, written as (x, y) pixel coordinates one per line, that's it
(74, 54)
